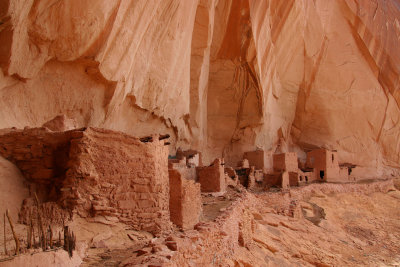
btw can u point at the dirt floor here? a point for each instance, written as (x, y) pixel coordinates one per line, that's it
(215, 205)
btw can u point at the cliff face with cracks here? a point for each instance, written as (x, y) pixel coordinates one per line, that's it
(221, 76)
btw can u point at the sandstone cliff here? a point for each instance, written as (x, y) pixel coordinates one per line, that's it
(222, 77)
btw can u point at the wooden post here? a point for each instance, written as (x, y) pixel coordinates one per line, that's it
(29, 240)
(28, 230)
(14, 234)
(5, 239)
(33, 235)
(66, 241)
(51, 237)
(42, 232)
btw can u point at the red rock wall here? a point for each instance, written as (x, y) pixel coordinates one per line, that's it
(222, 77)
(212, 178)
(42, 157)
(286, 162)
(113, 174)
(185, 200)
(95, 172)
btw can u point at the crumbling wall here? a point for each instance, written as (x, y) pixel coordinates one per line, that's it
(262, 160)
(316, 160)
(185, 168)
(216, 241)
(212, 178)
(185, 200)
(294, 178)
(286, 162)
(278, 179)
(326, 165)
(109, 173)
(41, 155)
(117, 175)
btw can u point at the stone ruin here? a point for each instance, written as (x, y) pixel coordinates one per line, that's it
(95, 172)
(212, 178)
(261, 169)
(326, 167)
(98, 173)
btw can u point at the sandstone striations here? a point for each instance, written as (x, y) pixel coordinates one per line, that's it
(174, 132)
(247, 73)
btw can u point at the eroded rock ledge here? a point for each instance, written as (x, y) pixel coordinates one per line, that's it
(221, 77)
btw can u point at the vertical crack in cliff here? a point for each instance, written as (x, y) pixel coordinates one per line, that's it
(244, 81)
(245, 78)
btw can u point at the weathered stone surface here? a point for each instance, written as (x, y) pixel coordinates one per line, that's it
(13, 189)
(212, 178)
(184, 200)
(93, 172)
(221, 77)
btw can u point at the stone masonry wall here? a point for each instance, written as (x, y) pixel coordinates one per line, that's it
(185, 200)
(286, 162)
(113, 174)
(212, 178)
(95, 172)
(41, 155)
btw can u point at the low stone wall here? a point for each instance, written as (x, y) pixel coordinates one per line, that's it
(211, 243)
(215, 243)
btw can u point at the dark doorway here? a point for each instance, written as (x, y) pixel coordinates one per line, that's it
(306, 178)
(321, 174)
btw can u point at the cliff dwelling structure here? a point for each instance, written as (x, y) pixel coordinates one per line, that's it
(199, 133)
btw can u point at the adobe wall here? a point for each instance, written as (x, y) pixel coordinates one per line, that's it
(114, 174)
(344, 175)
(294, 178)
(212, 178)
(185, 200)
(231, 178)
(286, 162)
(262, 160)
(316, 159)
(193, 157)
(279, 179)
(328, 162)
(181, 165)
(332, 167)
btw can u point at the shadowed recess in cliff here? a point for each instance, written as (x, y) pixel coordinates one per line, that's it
(234, 95)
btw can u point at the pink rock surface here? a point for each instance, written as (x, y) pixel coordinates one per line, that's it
(222, 77)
